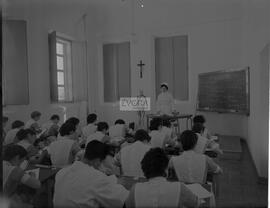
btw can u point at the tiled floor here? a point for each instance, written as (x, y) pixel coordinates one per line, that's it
(238, 185)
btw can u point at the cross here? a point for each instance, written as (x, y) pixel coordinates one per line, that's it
(141, 67)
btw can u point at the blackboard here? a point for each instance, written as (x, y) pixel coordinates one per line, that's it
(224, 91)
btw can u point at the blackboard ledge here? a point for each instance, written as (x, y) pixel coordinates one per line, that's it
(223, 111)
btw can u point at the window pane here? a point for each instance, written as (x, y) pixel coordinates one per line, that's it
(59, 48)
(60, 78)
(61, 93)
(60, 63)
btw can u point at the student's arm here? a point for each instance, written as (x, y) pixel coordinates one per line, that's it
(26, 179)
(106, 139)
(187, 198)
(75, 148)
(212, 167)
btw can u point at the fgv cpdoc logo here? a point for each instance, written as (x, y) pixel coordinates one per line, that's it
(135, 104)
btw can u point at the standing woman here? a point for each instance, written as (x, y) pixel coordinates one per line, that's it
(165, 101)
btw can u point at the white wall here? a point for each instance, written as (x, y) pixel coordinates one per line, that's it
(214, 31)
(43, 16)
(256, 35)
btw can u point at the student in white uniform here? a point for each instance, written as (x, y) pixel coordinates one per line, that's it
(76, 122)
(158, 137)
(165, 101)
(91, 127)
(117, 132)
(101, 134)
(63, 150)
(158, 192)
(33, 122)
(83, 184)
(13, 174)
(203, 143)
(51, 128)
(129, 158)
(201, 120)
(11, 135)
(190, 166)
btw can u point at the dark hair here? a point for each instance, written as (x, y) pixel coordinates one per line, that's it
(17, 124)
(5, 119)
(163, 85)
(73, 120)
(55, 116)
(155, 123)
(97, 150)
(197, 128)
(119, 121)
(35, 114)
(13, 150)
(37, 141)
(102, 126)
(167, 123)
(23, 133)
(199, 119)
(188, 139)
(67, 128)
(154, 163)
(91, 118)
(142, 135)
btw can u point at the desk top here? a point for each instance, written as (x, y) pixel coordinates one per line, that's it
(174, 116)
(44, 173)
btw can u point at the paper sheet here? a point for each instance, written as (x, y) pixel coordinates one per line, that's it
(199, 191)
(35, 171)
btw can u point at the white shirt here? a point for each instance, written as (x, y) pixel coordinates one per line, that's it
(11, 135)
(190, 167)
(131, 157)
(29, 123)
(201, 144)
(165, 103)
(98, 135)
(60, 151)
(89, 129)
(157, 138)
(80, 185)
(157, 192)
(117, 132)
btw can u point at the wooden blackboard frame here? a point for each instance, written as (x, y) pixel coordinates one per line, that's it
(232, 111)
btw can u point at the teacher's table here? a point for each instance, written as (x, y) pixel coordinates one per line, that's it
(176, 117)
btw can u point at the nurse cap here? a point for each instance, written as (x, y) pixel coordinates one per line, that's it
(164, 84)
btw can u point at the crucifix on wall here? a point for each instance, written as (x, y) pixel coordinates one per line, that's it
(141, 64)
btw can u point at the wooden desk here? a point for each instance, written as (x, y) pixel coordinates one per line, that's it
(176, 117)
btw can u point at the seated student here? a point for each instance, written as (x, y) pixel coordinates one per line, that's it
(63, 150)
(4, 123)
(100, 134)
(91, 127)
(51, 128)
(158, 137)
(118, 131)
(83, 184)
(158, 192)
(75, 121)
(33, 122)
(130, 156)
(204, 143)
(26, 138)
(200, 119)
(192, 167)
(11, 135)
(13, 175)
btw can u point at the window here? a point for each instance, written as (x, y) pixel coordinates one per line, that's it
(116, 71)
(171, 65)
(60, 68)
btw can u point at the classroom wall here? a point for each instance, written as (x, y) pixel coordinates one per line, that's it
(214, 32)
(41, 17)
(255, 53)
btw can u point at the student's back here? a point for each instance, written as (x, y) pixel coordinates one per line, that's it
(158, 138)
